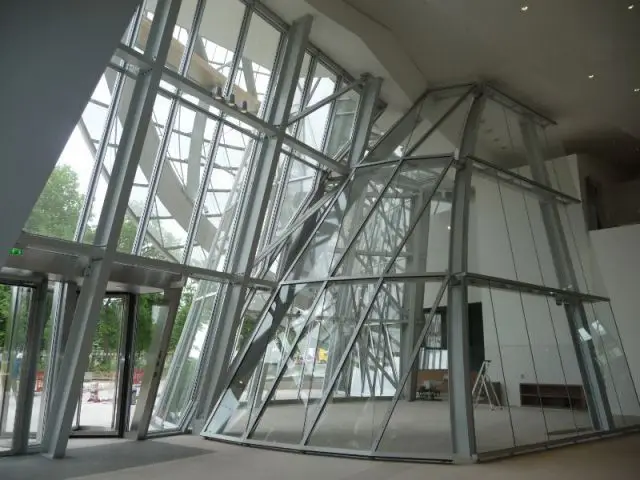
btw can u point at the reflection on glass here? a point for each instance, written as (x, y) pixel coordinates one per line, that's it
(175, 397)
(341, 223)
(13, 342)
(99, 398)
(507, 235)
(261, 358)
(402, 204)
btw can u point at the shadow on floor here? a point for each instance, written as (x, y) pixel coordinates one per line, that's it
(94, 460)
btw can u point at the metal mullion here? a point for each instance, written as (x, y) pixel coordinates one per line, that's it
(237, 55)
(347, 351)
(244, 231)
(413, 357)
(109, 227)
(24, 403)
(187, 53)
(555, 195)
(439, 122)
(253, 424)
(201, 195)
(99, 156)
(333, 201)
(321, 103)
(275, 248)
(154, 180)
(305, 91)
(156, 357)
(365, 219)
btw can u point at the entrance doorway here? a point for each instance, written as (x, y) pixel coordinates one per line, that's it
(24, 357)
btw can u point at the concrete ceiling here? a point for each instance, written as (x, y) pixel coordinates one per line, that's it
(542, 56)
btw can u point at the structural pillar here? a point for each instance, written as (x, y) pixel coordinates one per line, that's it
(53, 54)
(247, 236)
(594, 385)
(76, 358)
(460, 404)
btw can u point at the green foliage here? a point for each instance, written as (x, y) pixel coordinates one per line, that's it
(57, 210)
(56, 214)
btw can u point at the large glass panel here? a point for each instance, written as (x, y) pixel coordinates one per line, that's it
(427, 247)
(439, 127)
(261, 359)
(342, 222)
(216, 43)
(344, 113)
(390, 222)
(353, 411)
(222, 198)
(58, 210)
(509, 349)
(499, 139)
(313, 126)
(186, 300)
(418, 423)
(621, 390)
(257, 65)
(97, 405)
(507, 234)
(172, 405)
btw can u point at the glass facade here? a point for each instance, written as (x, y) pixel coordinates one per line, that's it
(313, 272)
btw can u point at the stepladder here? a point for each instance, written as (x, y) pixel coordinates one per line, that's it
(483, 388)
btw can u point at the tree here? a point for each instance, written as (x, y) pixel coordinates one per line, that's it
(56, 212)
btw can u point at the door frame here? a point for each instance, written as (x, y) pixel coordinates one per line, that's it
(124, 374)
(37, 317)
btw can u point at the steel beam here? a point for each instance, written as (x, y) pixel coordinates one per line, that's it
(254, 204)
(85, 320)
(460, 404)
(593, 381)
(364, 119)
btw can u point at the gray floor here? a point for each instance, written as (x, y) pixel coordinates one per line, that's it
(192, 458)
(420, 428)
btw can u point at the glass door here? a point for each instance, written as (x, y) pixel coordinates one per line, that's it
(23, 359)
(105, 385)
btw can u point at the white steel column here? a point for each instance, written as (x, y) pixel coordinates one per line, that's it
(255, 202)
(68, 43)
(593, 381)
(86, 316)
(460, 404)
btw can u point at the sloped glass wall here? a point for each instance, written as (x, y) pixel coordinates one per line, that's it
(354, 354)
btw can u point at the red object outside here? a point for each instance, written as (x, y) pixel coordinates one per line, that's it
(39, 381)
(137, 376)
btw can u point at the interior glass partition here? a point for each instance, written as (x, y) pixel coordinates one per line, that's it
(366, 368)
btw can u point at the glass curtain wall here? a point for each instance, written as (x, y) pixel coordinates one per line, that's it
(358, 351)
(208, 123)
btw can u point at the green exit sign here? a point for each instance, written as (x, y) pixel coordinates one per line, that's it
(16, 251)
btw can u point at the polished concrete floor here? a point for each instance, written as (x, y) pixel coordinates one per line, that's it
(191, 457)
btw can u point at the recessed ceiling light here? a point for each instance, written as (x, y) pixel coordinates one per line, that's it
(636, 90)
(448, 227)
(630, 7)
(592, 76)
(524, 8)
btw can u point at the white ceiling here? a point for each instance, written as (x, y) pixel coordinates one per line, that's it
(542, 57)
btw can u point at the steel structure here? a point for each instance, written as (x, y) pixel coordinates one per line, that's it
(333, 263)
